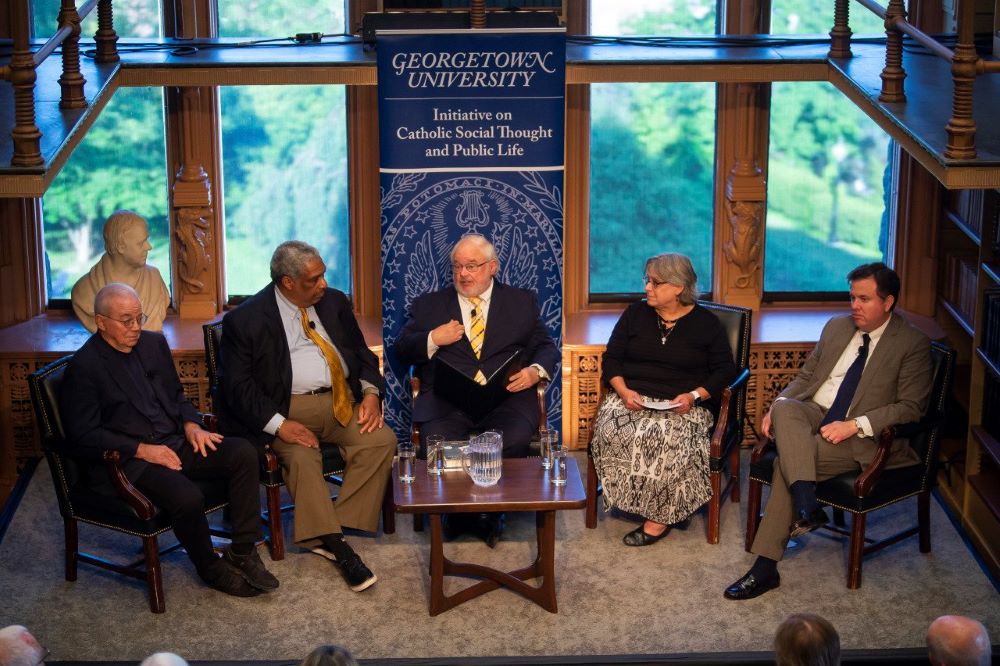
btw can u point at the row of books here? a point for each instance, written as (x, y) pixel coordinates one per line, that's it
(959, 289)
(990, 340)
(977, 210)
(991, 406)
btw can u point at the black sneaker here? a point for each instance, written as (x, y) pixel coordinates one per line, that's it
(224, 577)
(252, 569)
(358, 576)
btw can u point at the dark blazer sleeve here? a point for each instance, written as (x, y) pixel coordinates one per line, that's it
(169, 382)
(242, 333)
(349, 339)
(84, 404)
(411, 345)
(541, 349)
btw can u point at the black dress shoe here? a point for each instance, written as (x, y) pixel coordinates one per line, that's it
(750, 586)
(807, 522)
(490, 528)
(224, 577)
(252, 569)
(638, 537)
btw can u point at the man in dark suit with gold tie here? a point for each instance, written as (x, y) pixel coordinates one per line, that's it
(868, 371)
(297, 373)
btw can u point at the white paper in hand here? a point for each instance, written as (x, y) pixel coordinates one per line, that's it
(661, 405)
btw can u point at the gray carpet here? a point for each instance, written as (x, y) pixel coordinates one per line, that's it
(664, 599)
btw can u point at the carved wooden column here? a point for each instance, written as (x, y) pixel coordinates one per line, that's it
(961, 127)
(194, 162)
(741, 154)
(106, 37)
(364, 202)
(893, 74)
(72, 80)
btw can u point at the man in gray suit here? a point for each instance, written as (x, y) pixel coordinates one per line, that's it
(868, 371)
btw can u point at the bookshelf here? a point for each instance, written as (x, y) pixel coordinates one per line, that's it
(969, 309)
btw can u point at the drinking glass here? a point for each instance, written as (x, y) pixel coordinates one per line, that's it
(545, 440)
(435, 454)
(407, 454)
(558, 471)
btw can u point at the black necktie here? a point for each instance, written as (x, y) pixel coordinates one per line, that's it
(845, 394)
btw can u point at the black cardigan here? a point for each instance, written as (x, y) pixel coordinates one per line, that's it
(696, 353)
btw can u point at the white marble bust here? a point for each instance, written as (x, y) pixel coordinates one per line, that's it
(126, 245)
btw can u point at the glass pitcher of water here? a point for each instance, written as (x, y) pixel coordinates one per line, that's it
(482, 459)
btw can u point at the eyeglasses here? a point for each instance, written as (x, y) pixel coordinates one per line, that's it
(131, 321)
(648, 280)
(469, 268)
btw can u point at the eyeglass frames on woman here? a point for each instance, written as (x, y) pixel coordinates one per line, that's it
(130, 322)
(469, 268)
(648, 280)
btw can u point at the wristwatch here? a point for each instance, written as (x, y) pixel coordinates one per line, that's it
(857, 424)
(697, 398)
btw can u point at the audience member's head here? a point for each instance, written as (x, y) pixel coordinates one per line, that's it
(164, 659)
(804, 639)
(329, 655)
(19, 648)
(953, 640)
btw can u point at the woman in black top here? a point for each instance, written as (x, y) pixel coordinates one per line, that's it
(654, 461)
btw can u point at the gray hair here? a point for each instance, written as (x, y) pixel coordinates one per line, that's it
(18, 647)
(329, 655)
(958, 641)
(479, 242)
(112, 291)
(116, 225)
(675, 269)
(290, 258)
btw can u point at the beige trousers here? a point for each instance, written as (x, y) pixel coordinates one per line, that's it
(368, 458)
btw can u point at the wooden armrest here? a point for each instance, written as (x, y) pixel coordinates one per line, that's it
(210, 421)
(868, 478)
(715, 448)
(760, 448)
(135, 499)
(270, 459)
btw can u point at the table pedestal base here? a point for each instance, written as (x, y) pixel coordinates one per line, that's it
(543, 567)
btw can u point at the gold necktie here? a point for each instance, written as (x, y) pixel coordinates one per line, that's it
(477, 331)
(342, 409)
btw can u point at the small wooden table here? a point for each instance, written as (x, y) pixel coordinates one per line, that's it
(523, 486)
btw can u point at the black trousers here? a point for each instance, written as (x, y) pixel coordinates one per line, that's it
(517, 428)
(176, 493)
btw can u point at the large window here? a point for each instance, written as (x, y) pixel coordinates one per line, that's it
(827, 175)
(815, 17)
(284, 151)
(132, 18)
(285, 166)
(652, 149)
(121, 163)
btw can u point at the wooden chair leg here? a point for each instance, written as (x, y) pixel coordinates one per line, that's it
(857, 551)
(276, 544)
(714, 503)
(154, 576)
(591, 511)
(753, 512)
(924, 520)
(72, 547)
(388, 511)
(734, 471)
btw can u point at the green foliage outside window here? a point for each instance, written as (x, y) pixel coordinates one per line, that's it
(284, 152)
(652, 154)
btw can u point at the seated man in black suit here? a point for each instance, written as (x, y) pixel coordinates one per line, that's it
(475, 327)
(121, 393)
(297, 373)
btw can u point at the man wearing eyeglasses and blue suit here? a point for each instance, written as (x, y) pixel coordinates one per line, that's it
(475, 327)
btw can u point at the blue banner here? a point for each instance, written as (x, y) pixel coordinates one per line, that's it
(471, 141)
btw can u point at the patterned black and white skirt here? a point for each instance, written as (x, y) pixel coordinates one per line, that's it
(652, 463)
